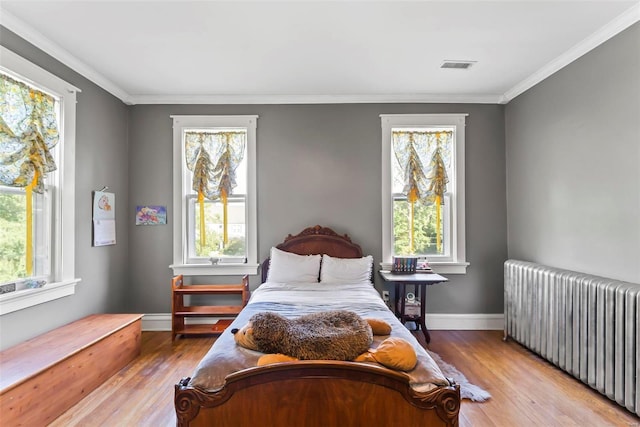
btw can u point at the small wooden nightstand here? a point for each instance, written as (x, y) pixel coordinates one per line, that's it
(419, 281)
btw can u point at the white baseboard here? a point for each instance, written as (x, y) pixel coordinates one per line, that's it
(465, 322)
(162, 321)
(156, 322)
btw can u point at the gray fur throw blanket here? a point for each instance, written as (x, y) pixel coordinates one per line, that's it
(328, 335)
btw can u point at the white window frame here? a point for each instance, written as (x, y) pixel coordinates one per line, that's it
(456, 212)
(62, 181)
(181, 188)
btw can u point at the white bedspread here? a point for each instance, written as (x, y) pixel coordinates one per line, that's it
(356, 294)
(296, 299)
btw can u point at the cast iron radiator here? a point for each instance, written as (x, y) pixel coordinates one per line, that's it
(587, 325)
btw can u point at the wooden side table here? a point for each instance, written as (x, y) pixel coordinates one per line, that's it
(420, 281)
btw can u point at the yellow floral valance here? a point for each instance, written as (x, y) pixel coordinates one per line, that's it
(28, 130)
(422, 156)
(213, 158)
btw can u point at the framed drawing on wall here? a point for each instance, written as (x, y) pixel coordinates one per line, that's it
(151, 215)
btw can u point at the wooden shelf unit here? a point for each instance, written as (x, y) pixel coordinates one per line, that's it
(180, 312)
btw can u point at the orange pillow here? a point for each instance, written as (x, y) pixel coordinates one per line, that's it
(395, 353)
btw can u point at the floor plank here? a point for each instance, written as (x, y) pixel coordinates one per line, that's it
(527, 391)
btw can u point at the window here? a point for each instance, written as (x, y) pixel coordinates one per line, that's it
(423, 189)
(37, 218)
(214, 162)
(14, 240)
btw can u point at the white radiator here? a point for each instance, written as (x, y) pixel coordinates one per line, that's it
(588, 326)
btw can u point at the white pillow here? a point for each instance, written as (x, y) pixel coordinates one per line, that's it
(346, 270)
(289, 267)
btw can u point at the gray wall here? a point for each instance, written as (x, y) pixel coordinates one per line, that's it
(571, 186)
(317, 164)
(573, 164)
(101, 159)
(320, 164)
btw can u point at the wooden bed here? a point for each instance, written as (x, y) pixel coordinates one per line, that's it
(317, 393)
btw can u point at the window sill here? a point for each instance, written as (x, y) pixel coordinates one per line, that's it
(439, 267)
(19, 300)
(214, 270)
(449, 267)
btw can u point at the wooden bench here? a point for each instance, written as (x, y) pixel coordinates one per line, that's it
(44, 376)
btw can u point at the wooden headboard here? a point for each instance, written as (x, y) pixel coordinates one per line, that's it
(317, 240)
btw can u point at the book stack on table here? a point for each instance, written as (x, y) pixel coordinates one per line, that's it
(404, 265)
(410, 265)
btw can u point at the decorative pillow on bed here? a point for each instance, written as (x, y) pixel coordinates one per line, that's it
(289, 267)
(346, 270)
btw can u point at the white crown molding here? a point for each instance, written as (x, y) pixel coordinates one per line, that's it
(625, 20)
(39, 40)
(36, 38)
(317, 99)
(622, 22)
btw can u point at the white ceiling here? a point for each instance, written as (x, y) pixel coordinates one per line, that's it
(316, 51)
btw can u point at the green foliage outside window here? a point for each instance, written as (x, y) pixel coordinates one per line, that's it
(424, 229)
(235, 246)
(12, 237)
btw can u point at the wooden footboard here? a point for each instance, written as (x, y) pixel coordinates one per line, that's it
(316, 393)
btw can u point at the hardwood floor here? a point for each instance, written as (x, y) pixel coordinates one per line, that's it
(141, 394)
(527, 391)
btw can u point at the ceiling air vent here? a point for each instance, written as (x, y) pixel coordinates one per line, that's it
(458, 65)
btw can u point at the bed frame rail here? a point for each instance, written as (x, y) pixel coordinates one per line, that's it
(325, 392)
